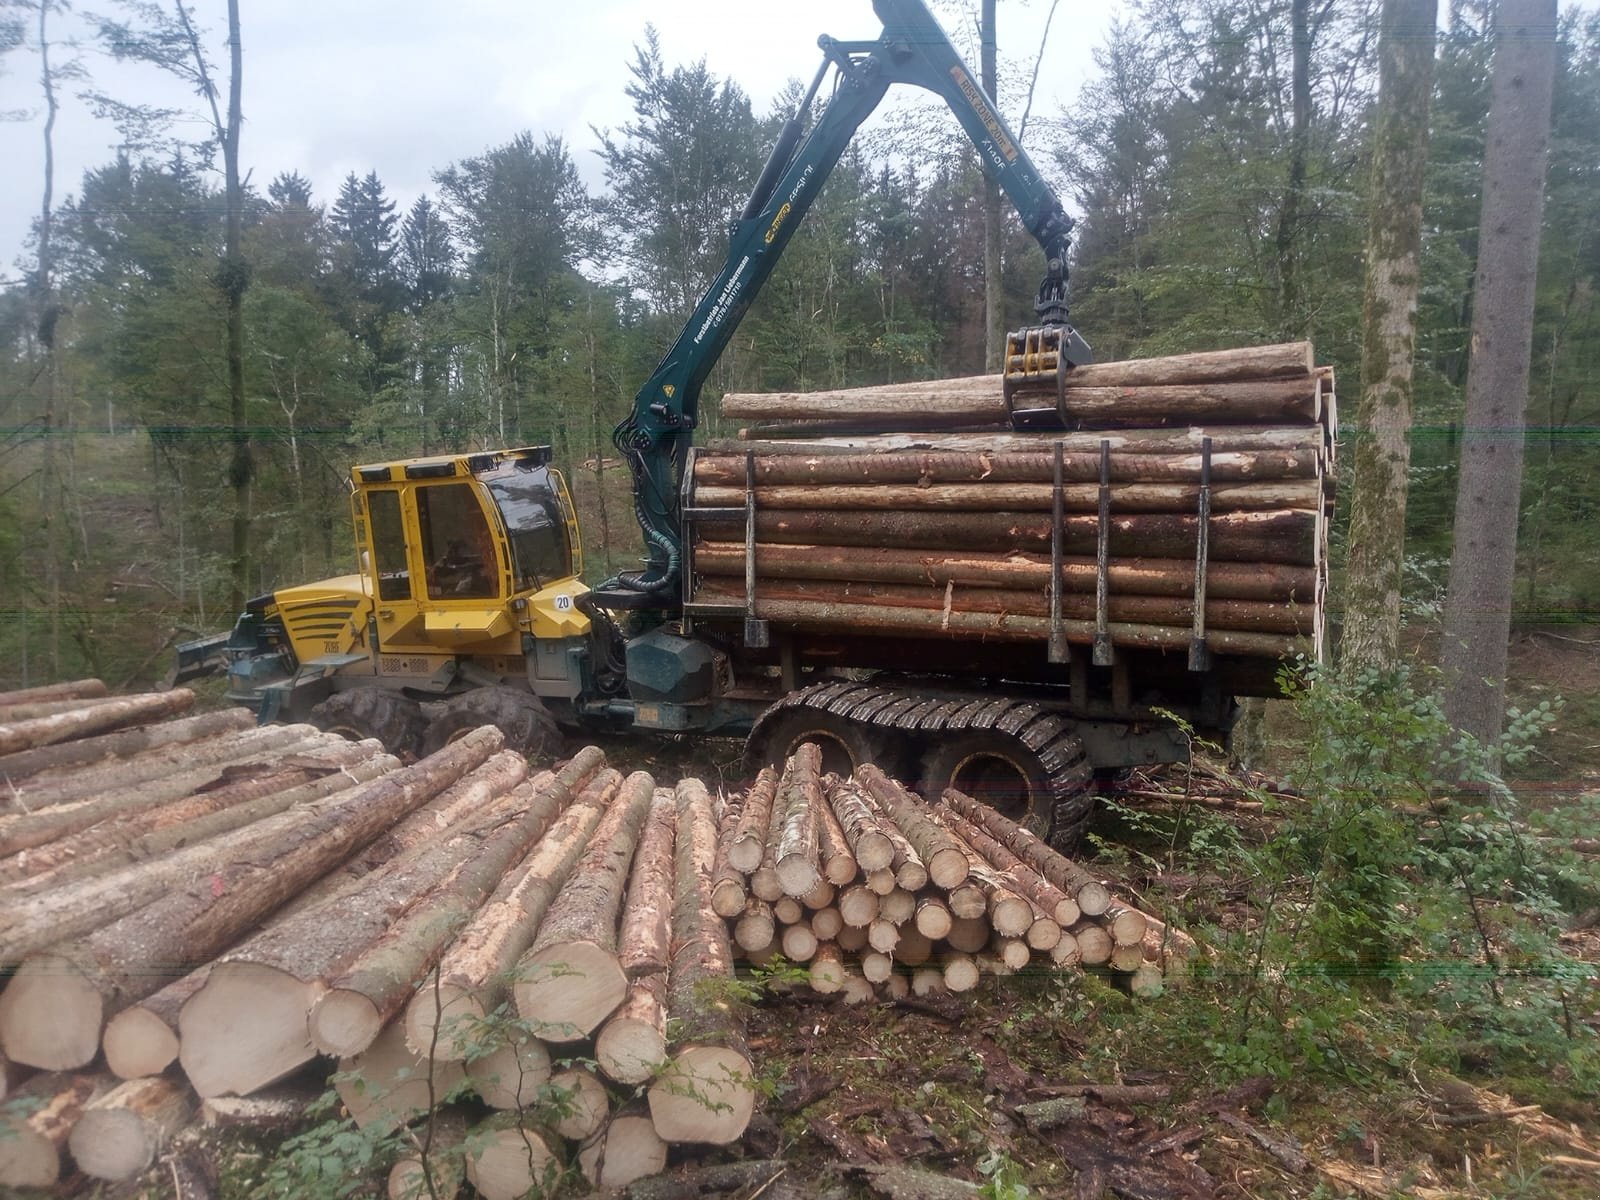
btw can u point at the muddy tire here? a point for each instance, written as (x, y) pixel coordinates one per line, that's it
(372, 712)
(1051, 796)
(528, 727)
(845, 744)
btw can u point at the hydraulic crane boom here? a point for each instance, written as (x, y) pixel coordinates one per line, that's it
(912, 49)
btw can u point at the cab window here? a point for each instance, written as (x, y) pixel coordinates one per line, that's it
(388, 533)
(456, 544)
(535, 523)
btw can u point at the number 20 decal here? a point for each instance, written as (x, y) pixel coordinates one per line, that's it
(563, 603)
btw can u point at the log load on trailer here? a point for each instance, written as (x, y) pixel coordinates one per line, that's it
(997, 585)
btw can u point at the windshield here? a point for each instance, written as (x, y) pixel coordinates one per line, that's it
(534, 521)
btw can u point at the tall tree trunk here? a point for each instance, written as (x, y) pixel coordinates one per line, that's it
(994, 306)
(1477, 619)
(1290, 318)
(234, 278)
(49, 313)
(1389, 334)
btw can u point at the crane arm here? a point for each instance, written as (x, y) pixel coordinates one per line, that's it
(656, 436)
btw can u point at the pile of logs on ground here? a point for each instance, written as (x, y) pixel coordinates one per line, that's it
(879, 894)
(193, 910)
(1184, 508)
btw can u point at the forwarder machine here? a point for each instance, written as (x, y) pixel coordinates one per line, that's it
(468, 607)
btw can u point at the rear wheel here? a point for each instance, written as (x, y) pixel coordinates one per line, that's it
(372, 712)
(528, 727)
(845, 744)
(1045, 790)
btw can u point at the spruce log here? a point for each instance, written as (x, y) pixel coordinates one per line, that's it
(883, 881)
(1066, 953)
(797, 439)
(1035, 465)
(1010, 913)
(387, 1086)
(64, 756)
(820, 896)
(644, 946)
(431, 1164)
(380, 980)
(858, 906)
(799, 841)
(857, 989)
(632, 1044)
(1093, 942)
(1050, 899)
(578, 1101)
(764, 883)
(978, 397)
(872, 848)
(1288, 536)
(1089, 893)
(509, 1156)
(750, 838)
(705, 1093)
(71, 808)
(883, 936)
(926, 981)
(571, 979)
(142, 1039)
(908, 871)
(932, 917)
(473, 977)
(249, 1024)
(960, 970)
(102, 717)
(626, 1150)
(826, 923)
(914, 948)
(945, 860)
(121, 1134)
(10, 714)
(1126, 958)
(1224, 618)
(1170, 577)
(827, 969)
(727, 884)
(54, 1008)
(798, 943)
(756, 926)
(145, 835)
(896, 988)
(968, 900)
(1021, 497)
(968, 934)
(898, 907)
(788, 911)
(1126, 925)
(871, 617)
(836, 858)
(1171, 950)
(876, 966)
(36, 1122)
(71, 689)
(510, 1067)
(852, 938)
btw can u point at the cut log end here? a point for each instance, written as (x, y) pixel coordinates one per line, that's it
(706, 1095)
(629, 1149)
(579, 1103)
(245, 1029)
(567, 989)
(344, 1022)
(507, 1163)
(511, 1074)
(138, 1043)
(119, 1136)
(630, 1050)
(51, 1015)
(441, 1021)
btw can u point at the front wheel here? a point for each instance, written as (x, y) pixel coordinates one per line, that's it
(372, 712)
(528, 727)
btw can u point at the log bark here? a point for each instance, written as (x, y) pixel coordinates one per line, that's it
(474, 975)
(1153, 498)
(750, 838)
(10, 714)
(835, 856)
(377, 983)
(632, 1045)
(387, 1086)
(102, 717)
(705, 1093)
(72, 689)
(510, 1156)
(571, 979)
(146, 835)
(799, 841)
(35, 1125)
(1032, 465)
(1089, 894)
(90, 797)
(65, 756)
(819, 441)
(1050, 899)
(1170, 577)
(120, 1135)
(510, 1067)
(248, 1025)
(979, 396)
(827, 969)
(946, 861)
(872, 848)
(728, 884)
(627, 1150)
(644, 947)
(54, 1008)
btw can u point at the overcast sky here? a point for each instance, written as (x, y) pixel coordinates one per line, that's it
(405, 87)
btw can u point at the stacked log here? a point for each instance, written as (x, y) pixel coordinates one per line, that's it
(940, 895)
(1213, 468)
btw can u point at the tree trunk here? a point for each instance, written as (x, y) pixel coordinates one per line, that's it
(994, 300)
(56, 1003)
(1389, 335)
(571, 980)
(1477, 619)
(706, 1093)
(120, 1135)
(128, 742)
(102, 717)
(233, 277)
(471, 979)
